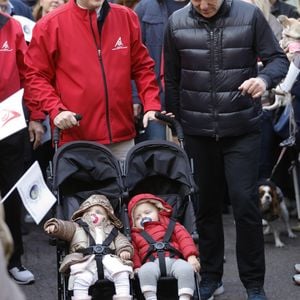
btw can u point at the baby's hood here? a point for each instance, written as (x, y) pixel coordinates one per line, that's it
(165, 209)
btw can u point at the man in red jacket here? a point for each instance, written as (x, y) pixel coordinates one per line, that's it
(12, 148)
(150, 225)
(81, 60)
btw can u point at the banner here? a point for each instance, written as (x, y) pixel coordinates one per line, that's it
(12, 117)
(35, 194)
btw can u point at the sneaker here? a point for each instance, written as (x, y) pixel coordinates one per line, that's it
(21, 275)
(256, 294)
(209, 289)
(297, 268)
(296, 279)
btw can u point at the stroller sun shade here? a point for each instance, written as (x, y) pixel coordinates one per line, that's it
(158, 168)
(80, 167)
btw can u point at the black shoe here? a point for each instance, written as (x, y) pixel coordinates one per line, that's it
(256, 294)
(209, 289)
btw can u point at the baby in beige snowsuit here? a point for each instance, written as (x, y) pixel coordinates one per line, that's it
(96, 214)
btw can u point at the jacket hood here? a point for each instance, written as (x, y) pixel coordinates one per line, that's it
(99, 200)
(165, 209)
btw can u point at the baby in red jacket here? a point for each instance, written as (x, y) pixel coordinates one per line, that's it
(162, 247)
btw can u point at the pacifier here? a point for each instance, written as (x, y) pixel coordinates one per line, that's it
(94, 218)
(145, 220)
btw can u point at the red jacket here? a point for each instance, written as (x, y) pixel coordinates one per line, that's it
(70, 67)
(180, 240)
(12, 50)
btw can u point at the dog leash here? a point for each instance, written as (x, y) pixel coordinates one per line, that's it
(289, 142)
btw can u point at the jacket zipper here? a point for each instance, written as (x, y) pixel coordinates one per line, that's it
(213, 79)
(104, 79)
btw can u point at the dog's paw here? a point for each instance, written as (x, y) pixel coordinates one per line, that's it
(292, 235)
(267, 230)
(279, 244)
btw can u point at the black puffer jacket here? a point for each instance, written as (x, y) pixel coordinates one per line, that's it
(207, 60)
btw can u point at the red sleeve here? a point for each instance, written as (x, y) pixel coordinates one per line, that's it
(185, 241)
(143, 69)
(40, 60)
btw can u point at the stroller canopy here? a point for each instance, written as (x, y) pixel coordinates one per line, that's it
(84, 168)
(158, 167)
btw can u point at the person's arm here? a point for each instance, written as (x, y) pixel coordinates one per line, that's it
(40, 60)
(269, 52)
(172, 72)
(61, 229)
(142, 69)
(185, 241)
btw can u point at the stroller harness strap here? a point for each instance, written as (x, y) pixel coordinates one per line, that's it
(161, 247)
(98, 249)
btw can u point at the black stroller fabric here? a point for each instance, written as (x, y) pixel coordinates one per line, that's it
(81, 169)
(162, 168)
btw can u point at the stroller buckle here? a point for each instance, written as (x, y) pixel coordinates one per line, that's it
(159, 245)
(98, 249)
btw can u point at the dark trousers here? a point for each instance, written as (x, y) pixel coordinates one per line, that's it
(11, 170)
(234, 160)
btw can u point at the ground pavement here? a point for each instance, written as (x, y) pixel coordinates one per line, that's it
(40, 258)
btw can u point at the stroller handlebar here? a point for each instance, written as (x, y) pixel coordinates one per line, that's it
(171, 122)
(56, 131)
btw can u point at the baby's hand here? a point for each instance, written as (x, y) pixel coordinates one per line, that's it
(50, 229)
(125, 255)
(194, 262)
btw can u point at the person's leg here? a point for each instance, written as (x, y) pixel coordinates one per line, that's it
(120, 150)
(209, 176)
(122, 285)
(155, 130)
(184, 273)
(149, 274)
(11, 170)
(81, 283)
(241, 155)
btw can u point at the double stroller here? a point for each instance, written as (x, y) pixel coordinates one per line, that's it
(162, 168)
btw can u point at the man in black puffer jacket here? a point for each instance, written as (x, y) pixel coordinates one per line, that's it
(213, 87)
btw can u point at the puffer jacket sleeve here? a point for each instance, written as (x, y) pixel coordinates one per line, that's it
(273, 58)
(136, 259)
(122, 244)
(185, 241)
(64, 230)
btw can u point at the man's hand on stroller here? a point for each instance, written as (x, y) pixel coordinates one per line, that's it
(125, 255)
(193, 260)
(150, 116)
(66, 119)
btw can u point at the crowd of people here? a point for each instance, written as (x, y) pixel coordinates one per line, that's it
(207, 63)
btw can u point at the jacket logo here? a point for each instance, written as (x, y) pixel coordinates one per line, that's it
(119, 45)
(5, 47)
